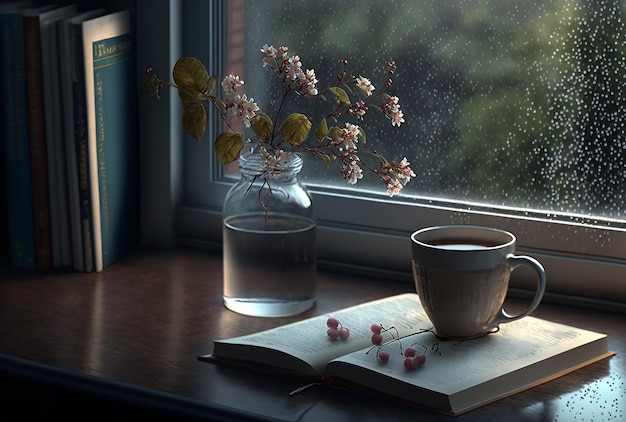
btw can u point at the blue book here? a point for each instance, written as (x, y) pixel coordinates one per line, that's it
(113, 144)
(15, 139)
(75, 133)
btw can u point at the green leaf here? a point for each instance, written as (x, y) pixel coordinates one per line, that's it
(334, 132)
(190, 74)
(152, 87)
(211, 84)
(295, 128)
(194, 119)
(340, 94)
(262, 126)
(326, 159)
(362, 136)
(321, 131)
(188, 96)
(228, 146)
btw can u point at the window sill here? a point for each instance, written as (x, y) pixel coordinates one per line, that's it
(131, 334)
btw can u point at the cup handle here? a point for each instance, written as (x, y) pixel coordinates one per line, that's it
(515, 261)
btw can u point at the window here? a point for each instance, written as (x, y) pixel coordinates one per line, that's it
(514, 116)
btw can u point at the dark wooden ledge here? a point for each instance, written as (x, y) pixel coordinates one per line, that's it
(124, 342)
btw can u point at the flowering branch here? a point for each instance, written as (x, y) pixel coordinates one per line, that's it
(344, 144)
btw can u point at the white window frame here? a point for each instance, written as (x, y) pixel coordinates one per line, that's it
(585, 261)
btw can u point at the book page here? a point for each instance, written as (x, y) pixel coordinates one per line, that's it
(307, 340)
(454, 366)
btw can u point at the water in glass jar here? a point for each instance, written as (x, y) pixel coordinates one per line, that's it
(269, 268)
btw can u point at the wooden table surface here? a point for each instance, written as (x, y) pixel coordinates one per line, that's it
(133, 332)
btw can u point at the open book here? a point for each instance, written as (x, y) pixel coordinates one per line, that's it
(456, 376)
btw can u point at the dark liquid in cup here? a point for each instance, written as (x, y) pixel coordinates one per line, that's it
(462, 244)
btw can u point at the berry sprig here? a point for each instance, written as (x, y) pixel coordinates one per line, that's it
(336, 330)
(412, 359)
(378, 330)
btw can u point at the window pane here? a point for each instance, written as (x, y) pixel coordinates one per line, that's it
(518, 104)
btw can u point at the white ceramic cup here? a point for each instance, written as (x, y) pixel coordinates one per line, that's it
(462, 276)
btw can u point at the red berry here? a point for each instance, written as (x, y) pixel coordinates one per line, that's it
(376, 328)
(333, 333)
(420, 359)
(383, 356)
(332, 322)
(409, 363)
(377, 339)
(409, 352)
(344, 333)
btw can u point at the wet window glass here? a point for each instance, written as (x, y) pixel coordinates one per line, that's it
(515, 104)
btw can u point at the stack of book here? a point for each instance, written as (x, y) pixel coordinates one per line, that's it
(67, 102)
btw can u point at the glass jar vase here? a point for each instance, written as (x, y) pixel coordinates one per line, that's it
(269, 235)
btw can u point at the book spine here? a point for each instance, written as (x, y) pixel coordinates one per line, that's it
(116, 145)
(55, 148)
(67, 80)
(57, 173)
(37, 142)
(81, 146)
(15, 129)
